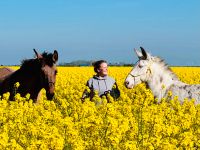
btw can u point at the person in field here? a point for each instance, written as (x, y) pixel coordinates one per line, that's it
(101, 82)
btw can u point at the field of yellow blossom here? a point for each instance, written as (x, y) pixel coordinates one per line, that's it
(134, 121)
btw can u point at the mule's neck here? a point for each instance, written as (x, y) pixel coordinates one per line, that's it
(29, 82)
(160, 80)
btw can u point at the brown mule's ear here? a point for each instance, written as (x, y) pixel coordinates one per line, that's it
(55, 56)
(37, 55)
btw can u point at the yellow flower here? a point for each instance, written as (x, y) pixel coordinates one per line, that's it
(17, 85)
(134, 121)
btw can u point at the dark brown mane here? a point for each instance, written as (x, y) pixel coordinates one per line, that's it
(47, 57)
(30, 65)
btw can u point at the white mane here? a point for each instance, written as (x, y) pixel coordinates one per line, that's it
(165, 66)
(162, 78)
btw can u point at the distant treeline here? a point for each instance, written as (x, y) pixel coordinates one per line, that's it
(89, 63)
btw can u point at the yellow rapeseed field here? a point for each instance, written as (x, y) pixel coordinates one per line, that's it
(134, 121)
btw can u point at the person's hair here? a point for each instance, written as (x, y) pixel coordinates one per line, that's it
(97, 64)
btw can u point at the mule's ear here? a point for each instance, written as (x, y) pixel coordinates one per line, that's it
(37, 55)
(144, 54)
(138, 53)
(55, 56)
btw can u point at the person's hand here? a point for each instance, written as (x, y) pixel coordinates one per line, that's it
(107, 92)
(82, 99)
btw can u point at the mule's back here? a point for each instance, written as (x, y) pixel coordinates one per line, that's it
(4, 72)
(188, 91)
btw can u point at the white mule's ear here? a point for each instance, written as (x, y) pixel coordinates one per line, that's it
(138, 53)
(144, 54)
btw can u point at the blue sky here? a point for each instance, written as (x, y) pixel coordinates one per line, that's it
(100, 29)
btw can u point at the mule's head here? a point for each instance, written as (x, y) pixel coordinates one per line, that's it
(48, 71)
(141, 71)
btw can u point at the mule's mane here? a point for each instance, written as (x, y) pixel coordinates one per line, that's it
(48, 58)
(30, 64)
(165, 66)
(37, 63)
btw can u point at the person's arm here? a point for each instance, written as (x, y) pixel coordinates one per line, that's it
(85, 94)
(115, 93)
(88, 92)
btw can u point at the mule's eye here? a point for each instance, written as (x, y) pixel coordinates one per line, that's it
(140, 66)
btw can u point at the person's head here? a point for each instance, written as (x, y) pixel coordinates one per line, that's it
(101, 68)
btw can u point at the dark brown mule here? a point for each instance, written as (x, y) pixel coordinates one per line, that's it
(33, 75)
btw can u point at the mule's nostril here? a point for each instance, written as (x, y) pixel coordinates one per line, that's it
(49, 96)
(126, 83)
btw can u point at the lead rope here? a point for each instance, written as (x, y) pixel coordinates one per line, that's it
(148, 70)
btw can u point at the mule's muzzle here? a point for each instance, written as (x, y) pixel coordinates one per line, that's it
(50, 96)
(128, 85)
